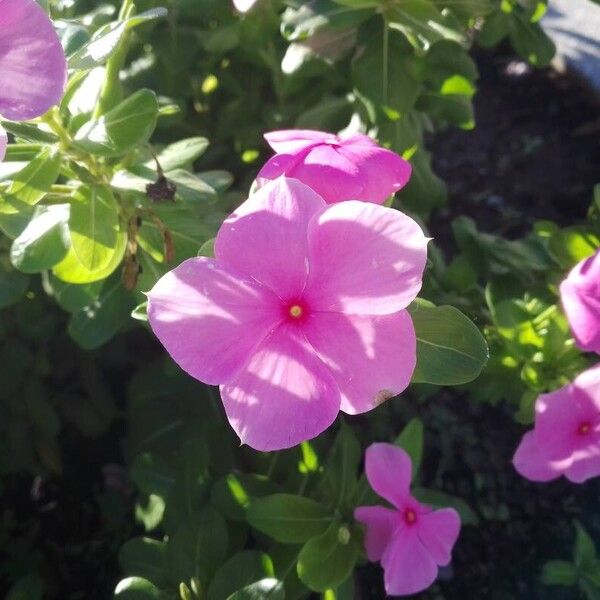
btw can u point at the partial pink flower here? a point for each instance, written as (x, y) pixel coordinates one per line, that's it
(566, 437)
(33, 68)
(300, 315)
(411, 540)
(337, 168)
(580, 295)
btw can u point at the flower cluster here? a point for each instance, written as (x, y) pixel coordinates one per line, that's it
(566, 436)
(33, 68)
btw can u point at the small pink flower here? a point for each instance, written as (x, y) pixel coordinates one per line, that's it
(300, 315)
(580, 295)
(411, 540)
(566, 437)
(337, 168)
(33, 68)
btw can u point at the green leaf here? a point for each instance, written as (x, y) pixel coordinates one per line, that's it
(13, 286)
(559, 572)
(530, 41)
(198, 547)
(450, 348)
(572, 245)
(340, 478)
(70, 270)
(144, 557)
(584, 552)
(180, 154)
(411, 440)
(121, 129)
(44, 242)
(288, 518)
(384, 75)
(97, 322)
(136, 588)
(494, 29)
(32, 183)
(106, 40)
(94, 226)
(152, 475)
(310, 17)
(241, 570)
(326, 561)
(29, 132)
(265, 589)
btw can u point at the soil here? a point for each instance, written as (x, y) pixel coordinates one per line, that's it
(533, 155)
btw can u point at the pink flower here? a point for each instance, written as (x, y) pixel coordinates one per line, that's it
(411, 540)
(580, 295)
(566, 437)
(337, 168)
(33, 68)
(301, 313)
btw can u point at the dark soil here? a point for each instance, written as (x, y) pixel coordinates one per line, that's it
(533, 155)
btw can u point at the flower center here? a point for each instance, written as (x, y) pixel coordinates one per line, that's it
(410, 516)
(584, 428)
(296, 311)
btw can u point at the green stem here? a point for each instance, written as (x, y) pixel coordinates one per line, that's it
(111, 89)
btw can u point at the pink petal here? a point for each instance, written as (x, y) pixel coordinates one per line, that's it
(530, 463)
(408, 566)
(365, 259)
(277, 166)
(389, 471)
(371, 358)
(380, 523)
(438, 531)
(265, 238)
(210, 318)
(33, 68)
(580, 295)
(285, 394)
(290, 141)
(3, 143)
(585, 462)
(380, 171)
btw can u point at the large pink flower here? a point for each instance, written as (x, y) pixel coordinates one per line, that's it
(337, 168)
(580, 295)
(411, 540)
(33, 68)
(300, 314)
(566, 437)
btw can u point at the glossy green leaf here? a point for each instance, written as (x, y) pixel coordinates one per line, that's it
(326, 561)
(559, 572)
(288, 518)
(450, 348)
(265, 589)
(94, 226)
(530, 41)
(573, 244)
(106, 40)
(144, 557)
(122, 128)
(32, 183)
(70, 270)
(97, 322)
(44, 242)
(411, 440)
(198, 547)
(180, 154)
(136, 588)
(29, 133)
(241, 570)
